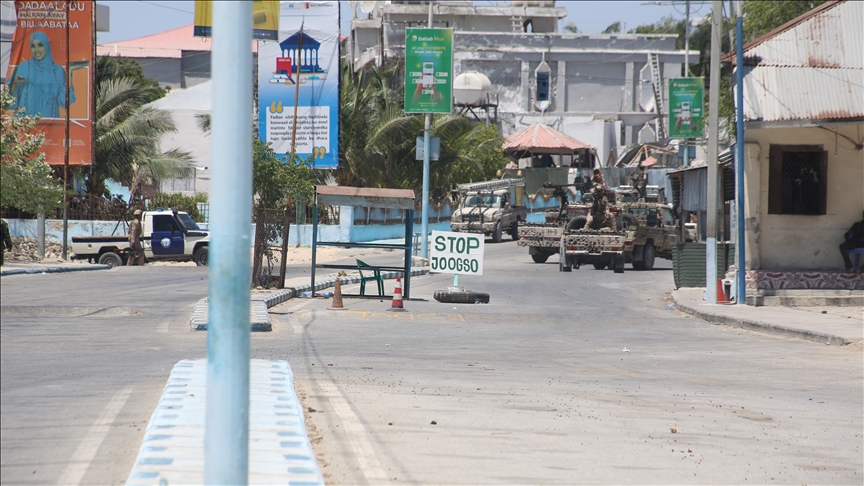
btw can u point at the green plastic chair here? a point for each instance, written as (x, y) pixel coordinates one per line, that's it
(376, 276)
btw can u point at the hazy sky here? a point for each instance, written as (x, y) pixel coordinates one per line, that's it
(130, 19)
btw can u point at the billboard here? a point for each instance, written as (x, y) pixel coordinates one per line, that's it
(265, 19)
(428, 70)
(38, 79)
(686, 107)
(298, 79)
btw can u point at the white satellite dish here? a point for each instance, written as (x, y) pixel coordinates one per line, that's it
(367, 7)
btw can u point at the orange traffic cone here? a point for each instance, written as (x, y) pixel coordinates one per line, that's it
(721, 294)
(337, 296)
(396, 305)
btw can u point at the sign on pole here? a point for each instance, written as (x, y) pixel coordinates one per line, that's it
(52, 50)
(265, 19)
(302, 120)
(428, 70)
(686, 107)
(456, 253)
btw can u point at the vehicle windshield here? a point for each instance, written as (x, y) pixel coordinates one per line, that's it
(483, 200)
(188, 222)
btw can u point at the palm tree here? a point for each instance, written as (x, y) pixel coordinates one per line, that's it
(378, 139)
(127, 137)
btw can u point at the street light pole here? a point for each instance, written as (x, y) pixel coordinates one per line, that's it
(226, 434)
(740, 282)
(424, 213)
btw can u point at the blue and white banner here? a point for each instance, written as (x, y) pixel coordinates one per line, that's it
(307, 54)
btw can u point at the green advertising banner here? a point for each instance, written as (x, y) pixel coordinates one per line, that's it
(428, 70)
(686, 107)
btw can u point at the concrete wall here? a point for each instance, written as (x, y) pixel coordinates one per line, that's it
(793, 242)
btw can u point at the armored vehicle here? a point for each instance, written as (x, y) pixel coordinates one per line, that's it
(489, 208)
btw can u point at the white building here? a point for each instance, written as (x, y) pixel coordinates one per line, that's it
(600, 84)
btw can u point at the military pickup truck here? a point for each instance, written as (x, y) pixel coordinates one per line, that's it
(543, 239)
(489, 208)
(651, 233)
(168, 235)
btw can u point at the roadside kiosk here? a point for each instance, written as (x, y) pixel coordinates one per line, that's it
(402, 199)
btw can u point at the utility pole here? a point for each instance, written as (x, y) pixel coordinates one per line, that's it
(424, 213)
(686, 65)
(713, 130)
(66, 147)
(226, 432)
(740, 282)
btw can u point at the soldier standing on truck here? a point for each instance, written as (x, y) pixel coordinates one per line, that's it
(599, 215)
(640, 181)
(598, 180)
(136, 257)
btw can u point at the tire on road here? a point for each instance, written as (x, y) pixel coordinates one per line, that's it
(496, 233)
(600, 266)
(465, 297)
(618, 264)
(514, 230)
(539, 258)
(648, 256)
(200, 256)
(111, 259)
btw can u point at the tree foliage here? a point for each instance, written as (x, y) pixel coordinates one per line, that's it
(277, 182)
(180, 202)
(763, 16)
(571, 28)
(614, 28)
(127, 137)
(378, 139)
(108, 67)
(26, 181)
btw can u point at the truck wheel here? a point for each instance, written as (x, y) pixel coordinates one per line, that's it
(467, 297)
(538, 258)
(496, 233)
(618, 264)
(565, 265)
(200, 257)
(640, 265)
(648, 256)
(111, 259)
(514, 230)
(599, 266)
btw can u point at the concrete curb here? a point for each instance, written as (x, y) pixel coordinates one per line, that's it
(755, 325)
(279, 448)
(260, 303)
(33, 271)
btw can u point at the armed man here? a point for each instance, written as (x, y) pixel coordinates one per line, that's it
(600, 216)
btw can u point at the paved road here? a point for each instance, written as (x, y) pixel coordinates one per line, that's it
(536, 387)
(533, 388)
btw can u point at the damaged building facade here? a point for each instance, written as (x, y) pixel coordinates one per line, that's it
(600, 87)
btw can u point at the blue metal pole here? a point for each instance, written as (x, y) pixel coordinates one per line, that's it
(740, 283)
(226, 437)
(424, 213)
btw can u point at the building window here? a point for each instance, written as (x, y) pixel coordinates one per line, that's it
(797, 179)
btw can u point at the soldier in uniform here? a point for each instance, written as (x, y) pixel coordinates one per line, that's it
(640, 181)
(599, 216)
(136, 257)
(6, 244)
(598, 180)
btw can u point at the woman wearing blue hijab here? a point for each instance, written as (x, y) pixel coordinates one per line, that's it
(39, 84)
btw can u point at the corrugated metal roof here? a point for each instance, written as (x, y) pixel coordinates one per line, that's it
(774, 93)
(169, 44)
(811, 68)
(833, 38)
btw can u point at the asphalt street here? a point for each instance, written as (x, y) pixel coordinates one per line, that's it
(564, 378)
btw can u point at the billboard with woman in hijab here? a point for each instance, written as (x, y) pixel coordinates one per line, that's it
(44, 72)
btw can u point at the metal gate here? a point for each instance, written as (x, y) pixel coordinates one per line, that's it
(271, 247)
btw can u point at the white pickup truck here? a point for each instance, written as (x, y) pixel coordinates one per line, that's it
(168, 235)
